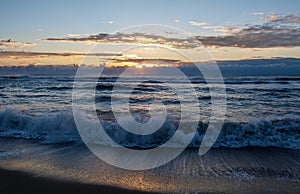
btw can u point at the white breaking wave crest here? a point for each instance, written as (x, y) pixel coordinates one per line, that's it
(56, 128)
(60, 127)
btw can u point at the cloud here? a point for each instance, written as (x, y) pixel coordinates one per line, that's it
(8, 43)
(21, 54)
(258, 13)
(271, 17)
(74, 35)
(287, 19)
(108, 22)
(133, 38)
(277, 31)
(193, 23)
(112, 58)
(176, 21)
(225, 29)
(151, 61)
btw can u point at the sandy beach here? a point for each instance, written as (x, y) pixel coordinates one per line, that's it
(21, 182)
(74, 169)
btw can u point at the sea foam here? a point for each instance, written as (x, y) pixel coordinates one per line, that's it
(60, 127)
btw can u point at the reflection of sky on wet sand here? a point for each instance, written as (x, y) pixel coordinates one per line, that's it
(218, 170)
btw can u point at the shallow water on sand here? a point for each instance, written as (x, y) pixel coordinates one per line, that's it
(244, 170)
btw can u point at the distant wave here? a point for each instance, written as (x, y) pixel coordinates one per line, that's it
(59, 88)
(287, 79)
(281, 132)
(255, 82)
(101, 87)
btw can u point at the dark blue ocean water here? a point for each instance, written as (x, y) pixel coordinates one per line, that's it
(261, 110)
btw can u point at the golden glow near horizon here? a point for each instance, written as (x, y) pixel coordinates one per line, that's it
(135, 57)
(232, 31)
(131, 53)
(139, 66)
(223, 53)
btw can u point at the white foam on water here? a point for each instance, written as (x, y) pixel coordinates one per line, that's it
(60, 127)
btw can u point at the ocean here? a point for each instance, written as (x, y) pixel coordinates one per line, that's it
(261, 111)
(259, 141)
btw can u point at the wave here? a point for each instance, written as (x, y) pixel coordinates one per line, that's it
(16, 77)
(60, 127)
(56, 128)
(287, 79)
(31, 96)
(254, 82)
(101, 87)
(59, 88)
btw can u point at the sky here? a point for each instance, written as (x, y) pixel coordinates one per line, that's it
(62, 32)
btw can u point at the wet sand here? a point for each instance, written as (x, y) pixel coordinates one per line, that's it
(13, 182)
(32, 168)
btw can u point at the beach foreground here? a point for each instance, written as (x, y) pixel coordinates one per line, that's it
(22, 182)
(28, 167)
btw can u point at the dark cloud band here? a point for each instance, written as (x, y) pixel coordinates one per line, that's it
(49, 54)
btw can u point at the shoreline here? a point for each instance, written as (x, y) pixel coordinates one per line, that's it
(28, 167)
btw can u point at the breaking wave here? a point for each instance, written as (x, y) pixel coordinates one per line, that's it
(60, 127)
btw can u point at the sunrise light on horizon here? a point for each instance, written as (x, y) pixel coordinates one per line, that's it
(34, 35)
